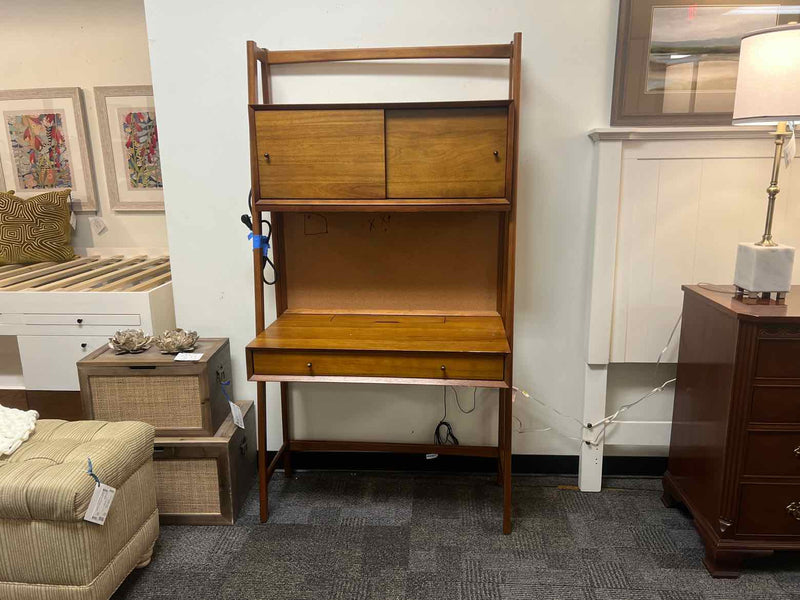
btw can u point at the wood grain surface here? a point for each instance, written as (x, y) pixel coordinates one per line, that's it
(320, 154)
(446, 153)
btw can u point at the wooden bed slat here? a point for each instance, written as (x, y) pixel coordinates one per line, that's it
(19, 273)
(112, 276)
(131, 280)
(62, 284)
(151, 283)
(61, 274)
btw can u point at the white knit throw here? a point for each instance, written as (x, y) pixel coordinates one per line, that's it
(16, 426)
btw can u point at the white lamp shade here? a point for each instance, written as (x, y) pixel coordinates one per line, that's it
(768, 85)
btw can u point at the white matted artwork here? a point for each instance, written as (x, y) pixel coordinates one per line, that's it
(43, 144)
(131, 157)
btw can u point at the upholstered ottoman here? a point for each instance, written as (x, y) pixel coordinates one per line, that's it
(47, 550)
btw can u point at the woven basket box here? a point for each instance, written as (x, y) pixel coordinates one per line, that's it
(177, 398)
(204, 480)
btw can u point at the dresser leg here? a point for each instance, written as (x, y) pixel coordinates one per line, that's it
(263, 483)
(287, 454)
(723, 563)
(505, 453)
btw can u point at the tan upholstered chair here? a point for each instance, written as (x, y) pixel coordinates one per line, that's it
(48, 552)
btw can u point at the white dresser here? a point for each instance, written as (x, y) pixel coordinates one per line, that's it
(60, 313)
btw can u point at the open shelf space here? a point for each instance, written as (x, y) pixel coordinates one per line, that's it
(385, 205)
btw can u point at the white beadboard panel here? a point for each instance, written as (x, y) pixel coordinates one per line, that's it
(636, 234)
(680, 220)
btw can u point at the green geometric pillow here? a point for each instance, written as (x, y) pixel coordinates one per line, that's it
(35, 229)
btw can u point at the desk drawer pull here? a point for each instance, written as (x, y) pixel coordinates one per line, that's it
(308, 365)
(796, 452)
(794, 510)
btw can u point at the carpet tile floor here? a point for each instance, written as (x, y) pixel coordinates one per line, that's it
(396, 536)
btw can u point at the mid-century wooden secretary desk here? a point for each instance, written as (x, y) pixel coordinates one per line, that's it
(393, 236)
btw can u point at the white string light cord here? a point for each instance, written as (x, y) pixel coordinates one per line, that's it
(601, 425)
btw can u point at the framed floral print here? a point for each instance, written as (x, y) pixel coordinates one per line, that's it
(129, 135)
(43, 144)
(677, 60)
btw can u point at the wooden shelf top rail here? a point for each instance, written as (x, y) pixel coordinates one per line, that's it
(497, 103)
(283, 57)
(387, 204)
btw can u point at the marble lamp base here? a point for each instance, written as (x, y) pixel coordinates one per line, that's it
(764, 269)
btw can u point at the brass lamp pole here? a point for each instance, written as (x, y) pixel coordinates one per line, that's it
(773, 189)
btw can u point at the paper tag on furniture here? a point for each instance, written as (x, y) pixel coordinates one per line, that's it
(236, 413)
(789, 150)
(100, 504)
(189, 356)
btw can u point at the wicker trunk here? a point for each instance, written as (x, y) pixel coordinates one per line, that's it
(177, 398)
(204, 480)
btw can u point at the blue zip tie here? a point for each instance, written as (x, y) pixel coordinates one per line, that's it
(259, 241)
(223, 385)
(91, 472)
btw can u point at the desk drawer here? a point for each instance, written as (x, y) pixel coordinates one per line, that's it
(769, 509)
(771, 453)
(418, 365)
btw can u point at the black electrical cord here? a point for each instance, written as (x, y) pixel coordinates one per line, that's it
(448, 438)
(248, 222)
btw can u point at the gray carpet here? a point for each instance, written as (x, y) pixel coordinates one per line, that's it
(341, 536)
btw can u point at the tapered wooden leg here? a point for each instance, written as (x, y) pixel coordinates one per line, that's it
(505, 452)
(263, 482)
(287, 454)
(500, 436)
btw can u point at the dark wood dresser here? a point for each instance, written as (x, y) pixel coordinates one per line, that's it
(734, 458)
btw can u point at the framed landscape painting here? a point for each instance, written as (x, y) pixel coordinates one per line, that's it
(129, 135)
(43, 144)
(677, 60)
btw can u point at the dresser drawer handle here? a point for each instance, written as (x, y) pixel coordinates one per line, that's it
(79, 321)
(794, 510)
(308, 365)
(797, 452)
(84, 344)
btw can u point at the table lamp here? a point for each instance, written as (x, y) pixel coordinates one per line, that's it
(768, 93)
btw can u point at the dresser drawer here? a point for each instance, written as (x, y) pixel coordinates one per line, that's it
(81, 319)
(764, 509)
(48, 361)
(778, 358)
(775, 404)
(771, 453)
(420, 365)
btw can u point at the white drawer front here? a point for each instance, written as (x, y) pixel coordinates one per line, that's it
(48, 361)
(80, 319)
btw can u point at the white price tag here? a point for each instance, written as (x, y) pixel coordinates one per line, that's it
(236, 413)
(100, 504)
(189, 356)
(789, 150)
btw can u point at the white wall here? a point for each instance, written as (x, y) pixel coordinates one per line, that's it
(51, 43)
(197, 50)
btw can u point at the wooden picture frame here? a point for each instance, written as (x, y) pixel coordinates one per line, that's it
(43, 144)
(133, 176)
(667, 87)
